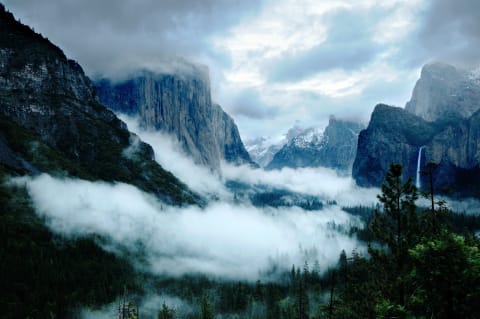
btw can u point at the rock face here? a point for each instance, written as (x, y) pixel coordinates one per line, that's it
(448, 132)
(444, 91)
(392, 136)
(52, 122)
(179, 104)
(334, 148)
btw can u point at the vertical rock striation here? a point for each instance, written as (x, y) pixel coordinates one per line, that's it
(179, 104)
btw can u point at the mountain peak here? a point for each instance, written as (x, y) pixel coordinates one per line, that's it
(445, 91)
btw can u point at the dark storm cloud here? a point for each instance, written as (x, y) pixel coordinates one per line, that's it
(451, 32)
(348, 46)
(111, 35)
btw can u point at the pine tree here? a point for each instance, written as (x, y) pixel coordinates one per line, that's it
(302, 305)
(206, 311)
(166, 312)
(396, 227)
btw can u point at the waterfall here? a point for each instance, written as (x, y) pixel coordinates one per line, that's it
(419, 160)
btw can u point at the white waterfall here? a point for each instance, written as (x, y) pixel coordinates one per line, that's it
(419, 160)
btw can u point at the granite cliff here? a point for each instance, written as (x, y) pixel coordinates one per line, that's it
(179, 104)
(444, 91)
(443, 116)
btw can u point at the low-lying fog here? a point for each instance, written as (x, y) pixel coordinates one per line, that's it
(226, 239)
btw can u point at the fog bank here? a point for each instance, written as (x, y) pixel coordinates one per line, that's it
(222, 240)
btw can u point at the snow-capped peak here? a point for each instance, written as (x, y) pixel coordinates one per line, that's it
(312, 136)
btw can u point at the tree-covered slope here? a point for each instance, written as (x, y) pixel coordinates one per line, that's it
(48, 106)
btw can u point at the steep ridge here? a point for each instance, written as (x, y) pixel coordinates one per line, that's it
(444, 91)
(443, 116)
(334, 148)
(179, 104)
(52, 122)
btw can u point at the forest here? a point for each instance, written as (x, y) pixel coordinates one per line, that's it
(421, 263)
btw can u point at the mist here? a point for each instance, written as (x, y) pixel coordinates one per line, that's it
(223, 240)
(227, 239)
(325, 183)
(149, 307)
(318, 181)
(169, 154)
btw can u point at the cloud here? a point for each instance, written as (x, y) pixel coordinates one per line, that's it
(322, 182)
(223, 240)
(349, 45)
(248, 102)
(451, 32)
(169, 154)
(148, 306)
(106, 36)
(271, 62)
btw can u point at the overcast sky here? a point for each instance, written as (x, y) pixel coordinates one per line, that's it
(272, 63)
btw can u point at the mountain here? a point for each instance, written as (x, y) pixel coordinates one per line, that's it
(179, 103)
(334, 148)
(51, 122)
(444, 91)
(442, 119)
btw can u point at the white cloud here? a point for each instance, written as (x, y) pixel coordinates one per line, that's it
(229, 241)
(169, 154)
(322, 182)
(337, 44)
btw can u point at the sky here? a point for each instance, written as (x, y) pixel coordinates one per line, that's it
(272, 64)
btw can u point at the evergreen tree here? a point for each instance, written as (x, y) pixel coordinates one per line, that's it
(206, 311)
(396, 226)
(446, 273)
(302, 305)
(166, 312)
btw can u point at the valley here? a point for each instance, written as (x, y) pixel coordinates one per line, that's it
(133, 194)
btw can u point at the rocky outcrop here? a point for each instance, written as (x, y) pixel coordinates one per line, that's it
(444, 91)
(179, 104)
(334, 148)
(52, 121)
(395, 136)
(392, 136)
(444, 117)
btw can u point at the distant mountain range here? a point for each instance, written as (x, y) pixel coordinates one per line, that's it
(333, 147)
(442, 118)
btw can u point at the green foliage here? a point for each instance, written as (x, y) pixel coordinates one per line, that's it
(397, 228)
(446, 274)
(418, 267)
